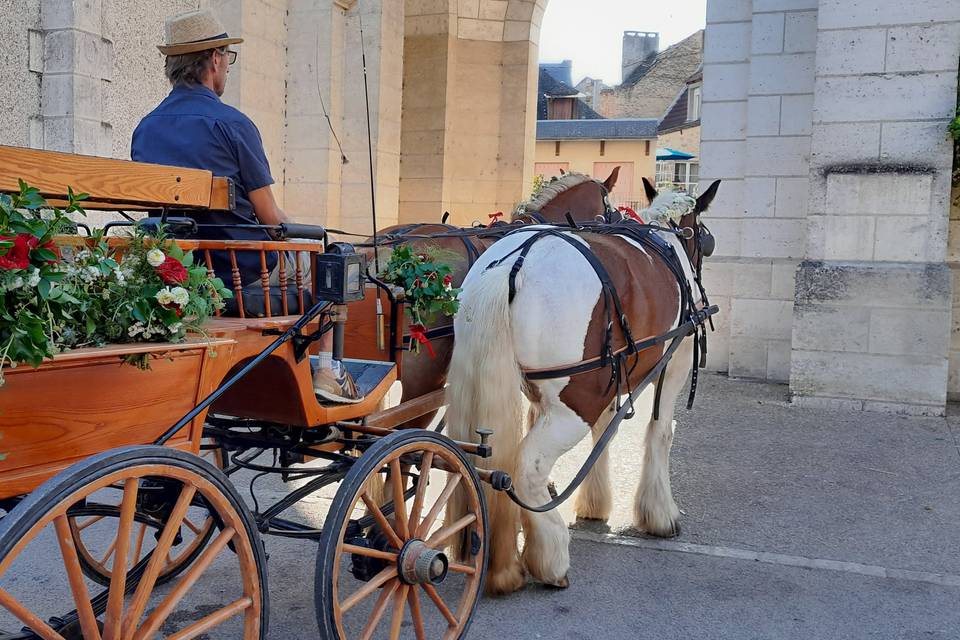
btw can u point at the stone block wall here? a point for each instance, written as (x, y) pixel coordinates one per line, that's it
(830, 136)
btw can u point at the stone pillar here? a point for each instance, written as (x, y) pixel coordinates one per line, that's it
(324, 65)
(872, 314)
(469, 110)
(76, 62)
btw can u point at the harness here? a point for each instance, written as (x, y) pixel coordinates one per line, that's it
(692, 319)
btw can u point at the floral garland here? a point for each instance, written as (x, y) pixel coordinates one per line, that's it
(428, 285)
(89, 293)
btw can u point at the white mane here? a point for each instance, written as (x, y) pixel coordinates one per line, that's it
(552, 189)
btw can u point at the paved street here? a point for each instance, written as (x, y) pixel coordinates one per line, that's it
(798, 524)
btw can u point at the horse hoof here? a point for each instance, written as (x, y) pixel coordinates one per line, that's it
(562, 583)
(503, 582)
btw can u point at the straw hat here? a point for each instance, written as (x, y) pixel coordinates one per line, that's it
(194, 31)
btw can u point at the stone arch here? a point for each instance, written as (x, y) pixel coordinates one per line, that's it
(469, 106)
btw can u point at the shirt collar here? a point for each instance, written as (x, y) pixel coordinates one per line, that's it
(196, 89)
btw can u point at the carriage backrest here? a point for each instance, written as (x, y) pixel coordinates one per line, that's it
(123, 185)
(113, 184)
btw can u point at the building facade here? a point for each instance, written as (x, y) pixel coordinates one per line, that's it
(836, 248)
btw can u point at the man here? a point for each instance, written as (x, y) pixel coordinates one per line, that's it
(193, 128)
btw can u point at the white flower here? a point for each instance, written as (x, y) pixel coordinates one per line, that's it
(17, 283)
(175, 327)
(155, 257)
(34, 278)
(118, 274)
(135, 328)
(181, 296)
(165, 296)
(93, 272)
(46, 214)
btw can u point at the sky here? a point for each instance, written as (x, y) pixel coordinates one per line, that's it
(590, 32)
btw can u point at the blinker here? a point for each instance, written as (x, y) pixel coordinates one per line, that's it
(707, 242)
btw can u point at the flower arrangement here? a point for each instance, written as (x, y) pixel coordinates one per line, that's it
(428, 285)
(88, 293)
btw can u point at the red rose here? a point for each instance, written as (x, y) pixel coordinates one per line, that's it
(447, 279)
(18, 256)
(172, 271)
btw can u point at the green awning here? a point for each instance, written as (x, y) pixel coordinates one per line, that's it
(665, 153)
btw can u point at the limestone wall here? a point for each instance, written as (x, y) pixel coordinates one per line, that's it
(19, 86)
(826, 121)
(686, 140)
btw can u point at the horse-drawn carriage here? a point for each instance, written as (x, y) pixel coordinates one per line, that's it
(119, 483)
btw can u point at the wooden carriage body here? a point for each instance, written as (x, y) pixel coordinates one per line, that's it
(86, 401)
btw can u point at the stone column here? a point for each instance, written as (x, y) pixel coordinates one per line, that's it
(469, 107)
(872, 314)
(76, 62)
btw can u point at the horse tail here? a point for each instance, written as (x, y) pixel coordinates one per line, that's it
(485, 390)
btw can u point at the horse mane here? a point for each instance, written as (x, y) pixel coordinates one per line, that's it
(554, 188)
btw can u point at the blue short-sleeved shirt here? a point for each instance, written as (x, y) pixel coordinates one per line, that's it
(193, 128)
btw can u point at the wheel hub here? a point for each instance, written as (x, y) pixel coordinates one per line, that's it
(419, 564)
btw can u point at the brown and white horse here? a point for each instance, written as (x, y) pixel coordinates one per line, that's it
(582, 197)
(557, 318)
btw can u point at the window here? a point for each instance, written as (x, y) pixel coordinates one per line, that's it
(686, 175)
(664, 174)
(693, 102)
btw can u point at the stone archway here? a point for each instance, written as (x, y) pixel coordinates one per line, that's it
(469, 106)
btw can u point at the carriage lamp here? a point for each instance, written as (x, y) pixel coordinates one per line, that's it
(339, 273)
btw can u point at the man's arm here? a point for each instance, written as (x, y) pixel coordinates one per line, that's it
(265, 206)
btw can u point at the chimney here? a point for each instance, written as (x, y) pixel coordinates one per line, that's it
(637, 47)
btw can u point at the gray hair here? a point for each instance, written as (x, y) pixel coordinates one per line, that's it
(188, 68)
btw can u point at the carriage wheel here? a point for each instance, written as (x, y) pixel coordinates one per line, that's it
(96, 544)
(42, 586)
(373, 558)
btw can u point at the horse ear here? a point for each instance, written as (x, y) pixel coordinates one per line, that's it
(649, 190)
(707, 197)
(562, 172)
(611, 180)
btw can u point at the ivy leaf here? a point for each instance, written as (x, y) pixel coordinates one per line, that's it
(44, 288)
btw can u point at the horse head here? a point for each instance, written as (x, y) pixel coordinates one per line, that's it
(583, 197)
(698, 242)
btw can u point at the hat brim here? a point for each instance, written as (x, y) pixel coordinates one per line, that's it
(194, 47)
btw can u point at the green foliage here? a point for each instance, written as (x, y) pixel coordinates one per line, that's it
(954, 126)
(60, 294)
(427, 283)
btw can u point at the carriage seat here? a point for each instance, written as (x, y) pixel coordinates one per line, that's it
(254, 302)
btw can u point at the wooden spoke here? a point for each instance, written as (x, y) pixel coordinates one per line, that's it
(423, 480)
(81, 598)
(448, 490)
(213, 619)
(27, 617)
(118, 583)
(378, 610)
(149, 578)
(387, 574)
(417, 615)
(110, 550)
(192, 526)
(437, 600)
(399, 503)
(381, 520)
(87, 523)
(443, 534)
(156, 618)
(139, 544)
(369, 553)
(456, 567)
(399, 600)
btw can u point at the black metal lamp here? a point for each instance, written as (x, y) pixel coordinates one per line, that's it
(338, 274)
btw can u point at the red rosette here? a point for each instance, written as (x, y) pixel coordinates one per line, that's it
(171, 271)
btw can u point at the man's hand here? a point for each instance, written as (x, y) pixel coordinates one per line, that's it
(265, 207)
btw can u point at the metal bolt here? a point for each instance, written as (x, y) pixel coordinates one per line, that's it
(484, 435)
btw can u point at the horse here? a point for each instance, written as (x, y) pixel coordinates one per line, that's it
(582, 197)
(547, 314)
